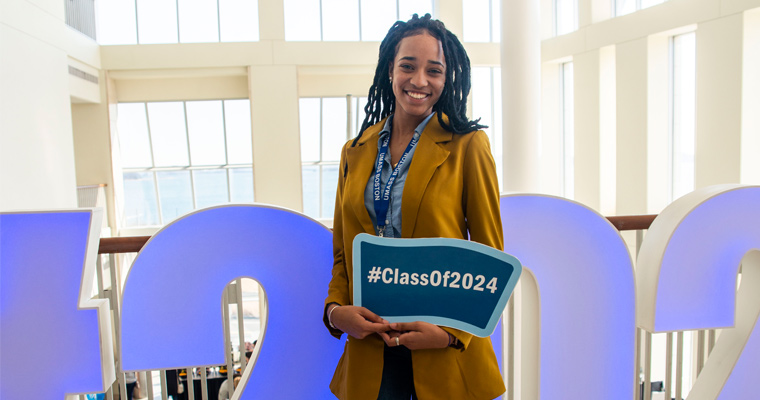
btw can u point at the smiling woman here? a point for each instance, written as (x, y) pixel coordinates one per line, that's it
(417, 154)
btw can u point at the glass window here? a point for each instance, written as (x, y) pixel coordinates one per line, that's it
(238, 20)
(205, 127)
(683, 109)
(134, 139)
(623, 7)
(210, 186)
(241, 185)
(158, 140)
(481, 20)
(175, 192)
(568, 130)
(140, 206)
(324, 130)
(340, 20)
(198, 21)
(237, 125)
(486, 105)
(377, 17)
(168, 134)
(347, 20)
(116, 22)
(157, 21)
(565, 16)
(177, 21)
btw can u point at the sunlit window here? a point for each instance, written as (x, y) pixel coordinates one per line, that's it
(486, 105)
(177, 21)
(181, 156)
(683, 113)
(325, 124)
(567, 130)
(623, 7)
(347, 20)
(565, 16)
(481, 20)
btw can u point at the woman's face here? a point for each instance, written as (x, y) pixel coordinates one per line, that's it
(418, 73)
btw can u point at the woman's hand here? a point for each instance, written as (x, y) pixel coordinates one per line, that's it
(416, 335)
(357, 322)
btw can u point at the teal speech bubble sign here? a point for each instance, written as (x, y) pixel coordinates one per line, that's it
(450, 282)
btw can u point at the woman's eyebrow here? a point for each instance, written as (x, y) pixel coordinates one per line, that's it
(412, 58)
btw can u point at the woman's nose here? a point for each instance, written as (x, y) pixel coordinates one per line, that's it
(419, 79)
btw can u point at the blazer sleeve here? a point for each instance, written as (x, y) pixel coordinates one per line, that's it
(480, 201)
(338, 289)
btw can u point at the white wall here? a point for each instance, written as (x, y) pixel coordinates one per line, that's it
(37, 168)
(726, 145)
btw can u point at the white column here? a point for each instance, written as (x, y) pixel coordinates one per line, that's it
(719, 101)
(276, 140)
(750, 167)
(586, 129)
(521, 93)
(631, 72)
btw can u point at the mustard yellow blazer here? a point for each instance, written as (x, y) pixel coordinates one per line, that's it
(451, 189)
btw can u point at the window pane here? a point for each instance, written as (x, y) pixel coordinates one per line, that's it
(623, 7)
(198, 21)
(210, 187)
(568, 136)
(377, 17)
(496, 124)
(334, 119)
(241, 185)
(308, 116)
(475, 28)
(357, 111)
(157, 21)
(205, 126)
(140, 208)
(684, 106)
(310, 179)
(329, 186)
(340, 20)
(237, 123)
(175, 193)
(496, 21)
(239, 20)
(650, 3)
(167, 130)
(566, 18)
(409, 7)
(133, 135)
(116, 22)
(481, 95)
(302, 20)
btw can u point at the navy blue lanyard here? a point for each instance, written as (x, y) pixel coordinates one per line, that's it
(383, 200)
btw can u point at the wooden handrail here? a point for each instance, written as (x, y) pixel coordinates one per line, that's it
(133, 244)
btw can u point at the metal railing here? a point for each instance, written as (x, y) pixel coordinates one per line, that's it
(80, 15)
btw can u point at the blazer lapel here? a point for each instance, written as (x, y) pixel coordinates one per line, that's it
(361, 160)
(428, 156)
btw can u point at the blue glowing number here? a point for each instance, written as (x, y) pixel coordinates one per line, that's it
(587, 297)
(688, 267)
(177, 280)
(47, 271)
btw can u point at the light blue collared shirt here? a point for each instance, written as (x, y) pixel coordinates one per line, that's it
(393, 219)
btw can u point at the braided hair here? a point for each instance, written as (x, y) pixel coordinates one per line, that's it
(381, 101)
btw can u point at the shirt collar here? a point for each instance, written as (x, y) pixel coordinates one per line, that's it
(389, 124)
